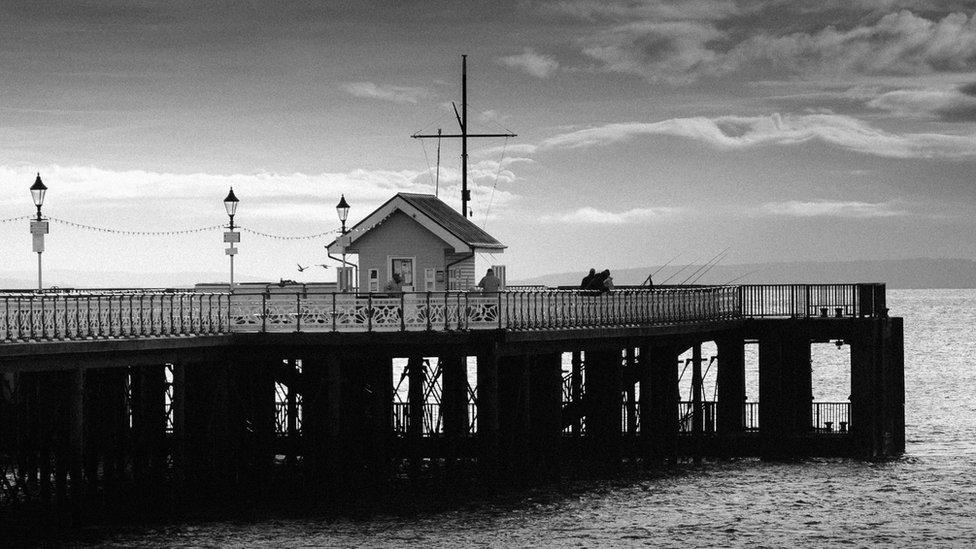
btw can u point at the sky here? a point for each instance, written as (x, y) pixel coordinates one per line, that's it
(781, 130)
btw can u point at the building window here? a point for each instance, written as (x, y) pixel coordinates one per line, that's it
(429, 280)
(404, 267)
(374, 280)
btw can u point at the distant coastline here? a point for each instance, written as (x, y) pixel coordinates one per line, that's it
(918, 273)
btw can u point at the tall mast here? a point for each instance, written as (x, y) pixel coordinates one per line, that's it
(465, 194)
(462, 119)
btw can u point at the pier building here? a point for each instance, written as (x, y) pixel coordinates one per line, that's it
(416, 235)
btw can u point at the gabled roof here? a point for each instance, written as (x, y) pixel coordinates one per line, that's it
(436, 216)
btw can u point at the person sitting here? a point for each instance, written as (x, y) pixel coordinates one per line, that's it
(598, 282)
(490, 283)
(608, 283)
(586, 279)
(395, 285)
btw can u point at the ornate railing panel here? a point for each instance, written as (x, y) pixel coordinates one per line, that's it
(64, 316)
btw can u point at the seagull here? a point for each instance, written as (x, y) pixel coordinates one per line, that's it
(300, 268)
(323, 265)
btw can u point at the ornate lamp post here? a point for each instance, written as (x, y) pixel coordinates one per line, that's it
(38, 226)
(231, 236)
(342, 209)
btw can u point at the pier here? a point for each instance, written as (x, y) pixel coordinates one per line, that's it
(109, 394)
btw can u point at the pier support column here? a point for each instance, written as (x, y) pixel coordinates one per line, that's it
(877, 389)
(630, 387)
(514, 419)
(416, 401)
(731, 380)
(180, 439)
(76, 407)
(576, 389)
(222, 432)
(697, 407)
(487, 401)
(379, 410)
(546, 413)
(659, 405)
(454, 402)
(604, 422)
(322, 422)
(149, 429)
(254, 379)
(786, 393)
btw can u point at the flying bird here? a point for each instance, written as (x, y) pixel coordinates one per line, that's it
(300, 268)
(323, 265)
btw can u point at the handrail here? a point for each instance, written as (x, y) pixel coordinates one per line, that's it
(47, 316)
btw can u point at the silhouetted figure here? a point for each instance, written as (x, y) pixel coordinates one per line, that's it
(490, 283)
(395, 285)
(598, 282)
(585, 284)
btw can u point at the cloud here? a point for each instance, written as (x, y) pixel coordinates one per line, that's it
(530, 62)
(734, 132)
(396, 94)
(957, 105)
(137, 198)
(827, 208)
(658, 10)
(676, 52)
(763, 41)
(593, 216)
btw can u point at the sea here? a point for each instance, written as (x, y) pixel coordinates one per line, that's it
(927, 498)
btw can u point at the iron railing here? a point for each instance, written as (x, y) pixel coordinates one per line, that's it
(826, 417)
(111, 314)
(76, 314)
(433, 418)
(812, 300)
(831, 417)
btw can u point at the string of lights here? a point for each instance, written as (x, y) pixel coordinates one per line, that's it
(20, 218)
(284, 237)
(176, 232)
(133, 233)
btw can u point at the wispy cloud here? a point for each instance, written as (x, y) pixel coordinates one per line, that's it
(530, 62)
(593, 216)
(952, 105)
(733, 132)
(827, 208)
(396, 94)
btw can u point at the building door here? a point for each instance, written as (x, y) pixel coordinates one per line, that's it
(404, 267)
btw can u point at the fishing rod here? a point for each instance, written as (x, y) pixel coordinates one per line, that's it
(676, 273)
(740, 277)
(659, 269)
(705, 272)
(709, 262)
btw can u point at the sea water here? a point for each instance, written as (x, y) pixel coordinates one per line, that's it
(926, 498)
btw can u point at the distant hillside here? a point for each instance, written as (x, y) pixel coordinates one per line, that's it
(896, 273)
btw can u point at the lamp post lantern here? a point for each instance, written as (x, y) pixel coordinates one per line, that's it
(231, 236)
(38, 226)
(342, 209)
